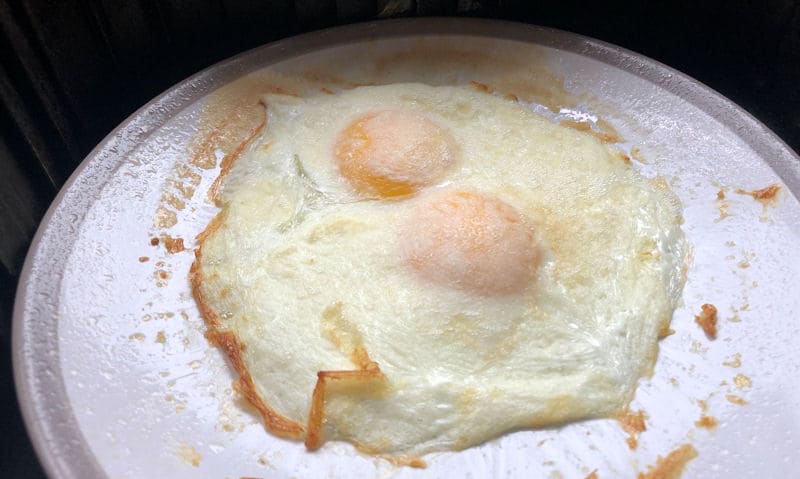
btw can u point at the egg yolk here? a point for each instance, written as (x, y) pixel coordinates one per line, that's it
(470, 241)
(393, 153)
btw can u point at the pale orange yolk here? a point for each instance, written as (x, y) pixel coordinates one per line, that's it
(393, 153)
(470, 241)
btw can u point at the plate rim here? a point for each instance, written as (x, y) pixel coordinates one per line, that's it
(77, 459)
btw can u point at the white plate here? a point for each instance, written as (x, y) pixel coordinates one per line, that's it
(116, 379)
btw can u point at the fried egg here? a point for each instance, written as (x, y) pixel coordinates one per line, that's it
(413, 269)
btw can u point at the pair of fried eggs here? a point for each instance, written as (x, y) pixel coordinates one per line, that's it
(413, 268)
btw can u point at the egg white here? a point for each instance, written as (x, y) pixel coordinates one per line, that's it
(302, 267)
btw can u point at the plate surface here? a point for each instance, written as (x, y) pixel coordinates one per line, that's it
(116, 379)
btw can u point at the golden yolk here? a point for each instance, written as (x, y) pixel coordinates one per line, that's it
(393, 153)
(470, 241)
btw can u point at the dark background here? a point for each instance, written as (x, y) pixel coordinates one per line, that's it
(71, 71)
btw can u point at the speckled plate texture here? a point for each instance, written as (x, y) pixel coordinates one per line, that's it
(116, 379)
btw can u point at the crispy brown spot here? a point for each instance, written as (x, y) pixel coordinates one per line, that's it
(636, 154)
(593, 475)
(735, 362)
(671, 466)
(165, 218)
(173, 245)
(609, 131)
(154, 241)
(586, 127)
(185, 172)
(766, 196)
(632, 423)
(707, 422)
(186, 190)
(481, 86)
(741, 381)
(173, 201)
(722, 206)
(734, 399)
(707, 320)
(189, 455)
(143, 259)
(720, 195)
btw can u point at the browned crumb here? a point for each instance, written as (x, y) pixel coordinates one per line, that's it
(593, 475)
(186, 190)
(766, 196)
(735, 362)
(143, 259)
(161, 337)
(162, 277)
(697, 347)
(173, 245)
(722, 206)
(137, 336)
(721, 194)
(481, 86)
(625, 158)
(189, 455)
(636, 154)
(707, 422)
(633, 424)
(154, 241)
(165, 218)
(707, 320)
(671, 466)
(186, 173)
(741, 381)
(732, 398)
(173, 201)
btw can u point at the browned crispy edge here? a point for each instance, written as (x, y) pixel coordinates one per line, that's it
(225, 340)
(232, 347)
(230, 159)
(274, 422)
(316, 414)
